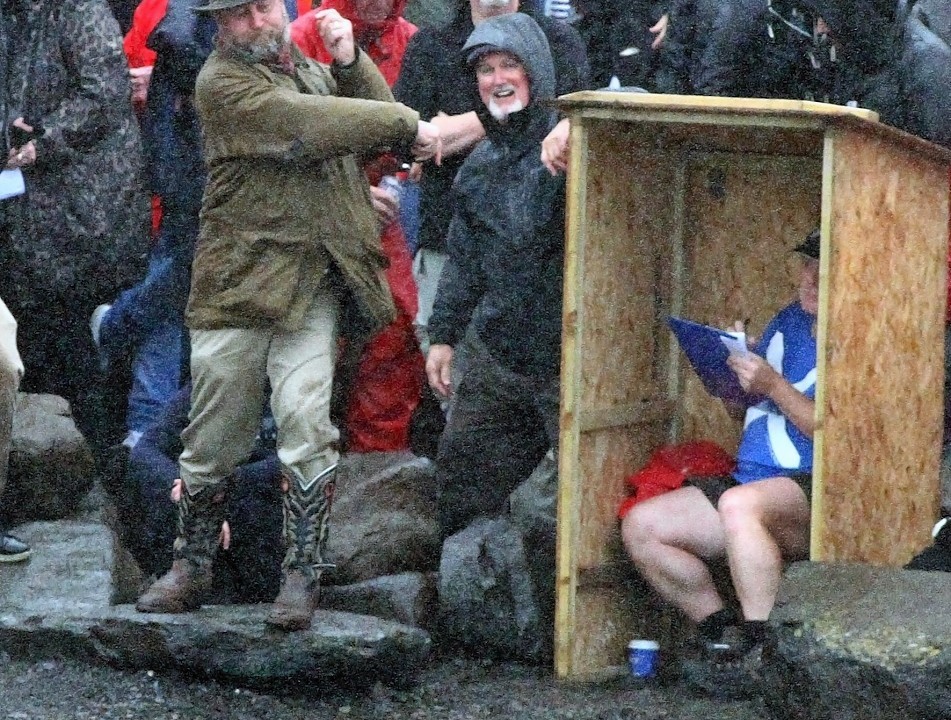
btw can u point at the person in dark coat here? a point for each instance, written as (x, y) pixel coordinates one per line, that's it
(503, 280)
(252, 564)
(449, 98)
(145, 322)
(619, 40)
(80, 232)
(925, 68)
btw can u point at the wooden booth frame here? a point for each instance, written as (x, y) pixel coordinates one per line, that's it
(690, 206)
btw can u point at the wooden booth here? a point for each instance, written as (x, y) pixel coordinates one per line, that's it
(690, 206)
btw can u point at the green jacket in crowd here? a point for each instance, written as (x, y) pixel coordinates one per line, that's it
(286, 194)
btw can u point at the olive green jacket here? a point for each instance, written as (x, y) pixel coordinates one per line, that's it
(285, 193)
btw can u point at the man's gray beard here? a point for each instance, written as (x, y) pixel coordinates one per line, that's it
(256, 52)
(492, 5)
(502, 115)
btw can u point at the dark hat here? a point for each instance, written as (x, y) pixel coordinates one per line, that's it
(477, 51)
(810, 246)
(211, 6)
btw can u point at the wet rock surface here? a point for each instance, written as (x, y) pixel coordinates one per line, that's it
(488, 603)
(384, 517)
(855, 641)
(58, 603)
(50, 463)
(409, 598)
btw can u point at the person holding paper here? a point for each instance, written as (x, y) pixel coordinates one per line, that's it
(756, 519)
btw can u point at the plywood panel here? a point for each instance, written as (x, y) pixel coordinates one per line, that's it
(882, 370)
(615, 353)
(607, 458)
(613, 616)
(744, 215)
(627, 227)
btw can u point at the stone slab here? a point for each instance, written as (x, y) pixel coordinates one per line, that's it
(409, 598)
(58, 604)
(856, 641)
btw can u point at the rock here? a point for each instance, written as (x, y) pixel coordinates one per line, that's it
(384, 517)
(408, 598)
(69, 568)
(533, 506)
(234, 644)
(58, 604)
(50, 463)
(487, 600)
(855, 641)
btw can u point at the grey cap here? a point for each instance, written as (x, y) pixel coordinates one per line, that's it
(211, 6)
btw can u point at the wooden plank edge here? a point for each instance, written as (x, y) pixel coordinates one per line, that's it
(568, 512)
(817, 525)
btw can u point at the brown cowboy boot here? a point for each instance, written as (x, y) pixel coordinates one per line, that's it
(188, 582)
(306, 512)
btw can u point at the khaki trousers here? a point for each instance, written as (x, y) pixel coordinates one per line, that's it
(11, 370)
(229, 372)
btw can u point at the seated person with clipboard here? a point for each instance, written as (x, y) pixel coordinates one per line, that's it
(757, 518)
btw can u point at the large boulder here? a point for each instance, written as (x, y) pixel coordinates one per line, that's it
(487, 599)
(50, 463)
(408, 598)
(384, 518)
(533, 506)
(855, 641)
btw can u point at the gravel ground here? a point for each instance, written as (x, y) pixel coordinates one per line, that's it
(451, 689)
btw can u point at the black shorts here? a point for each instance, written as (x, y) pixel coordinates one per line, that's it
(713, 487)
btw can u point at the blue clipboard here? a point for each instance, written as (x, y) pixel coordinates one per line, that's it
(707, 354)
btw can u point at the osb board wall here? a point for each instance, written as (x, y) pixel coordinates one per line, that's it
(881, 399)
(744, 214)
(612, 616)
(607, 457)
(627, 225)
(615, 354)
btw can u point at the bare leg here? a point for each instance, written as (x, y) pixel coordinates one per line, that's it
(765, 522)
(668, 538)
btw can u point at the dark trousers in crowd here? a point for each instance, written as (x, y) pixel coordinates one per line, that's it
(499, 426)
(250, 570)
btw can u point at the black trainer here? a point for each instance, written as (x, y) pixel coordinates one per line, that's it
(13, 549)
(728, 669)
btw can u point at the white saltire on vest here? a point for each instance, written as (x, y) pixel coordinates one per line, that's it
(781, 445)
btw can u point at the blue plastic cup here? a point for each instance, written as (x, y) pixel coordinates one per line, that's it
(642, 656)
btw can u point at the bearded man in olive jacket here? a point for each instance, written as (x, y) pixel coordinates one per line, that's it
(287, 235)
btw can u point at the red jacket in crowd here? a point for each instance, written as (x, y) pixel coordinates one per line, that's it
(385, 42)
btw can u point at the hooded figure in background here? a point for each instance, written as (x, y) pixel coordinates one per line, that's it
(503, 281)
(836, 51)
(925, 68)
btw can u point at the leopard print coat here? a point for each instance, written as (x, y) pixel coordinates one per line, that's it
(81, 231)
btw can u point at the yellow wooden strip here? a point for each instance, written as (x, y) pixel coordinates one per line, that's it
(817, 527)
(632, 101)
(569, 435)
(678, 282)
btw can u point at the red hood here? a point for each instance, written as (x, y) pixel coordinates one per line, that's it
(384, 42)
(362, 30)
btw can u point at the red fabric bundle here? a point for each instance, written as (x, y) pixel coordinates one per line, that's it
(670, 465)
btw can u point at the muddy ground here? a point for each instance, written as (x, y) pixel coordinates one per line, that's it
(451, 689)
